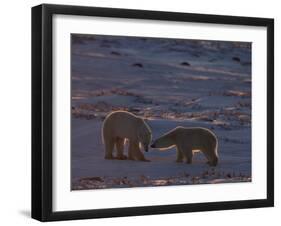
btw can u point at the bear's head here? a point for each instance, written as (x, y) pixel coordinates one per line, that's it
(162, 143)
(166, 141)
(144, 135)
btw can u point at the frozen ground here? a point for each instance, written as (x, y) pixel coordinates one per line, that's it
(170, 83)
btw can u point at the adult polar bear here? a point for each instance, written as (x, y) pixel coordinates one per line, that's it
(121, 125)
(189, 140)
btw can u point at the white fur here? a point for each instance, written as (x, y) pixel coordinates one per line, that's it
(120, 126)
(188, 141)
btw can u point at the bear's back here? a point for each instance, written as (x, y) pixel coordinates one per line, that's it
(120, 123)
(198, 134)
(120, 116)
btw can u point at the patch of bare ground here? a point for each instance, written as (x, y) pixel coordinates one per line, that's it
(237, 93)
(211, 176)
(222, 117)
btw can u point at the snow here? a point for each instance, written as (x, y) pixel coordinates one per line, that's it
(169, 83)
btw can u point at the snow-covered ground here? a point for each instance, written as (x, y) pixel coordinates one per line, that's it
(170, 83)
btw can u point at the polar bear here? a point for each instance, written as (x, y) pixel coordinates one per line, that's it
(188, 141)
(121, 126)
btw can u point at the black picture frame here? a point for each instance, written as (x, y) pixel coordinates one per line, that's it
(42, 107)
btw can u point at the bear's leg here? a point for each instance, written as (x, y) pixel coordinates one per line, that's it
(109, 145)
(215, 161)
(210, 155)
(130, 151)
(212, 158)
(188, 154)
(135, 152)
(206, 153)
(120, 148)
(179, 155)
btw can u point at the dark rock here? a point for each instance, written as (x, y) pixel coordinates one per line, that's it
(138, 65)
(237, 59)
(185, 64)
(115, 53)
